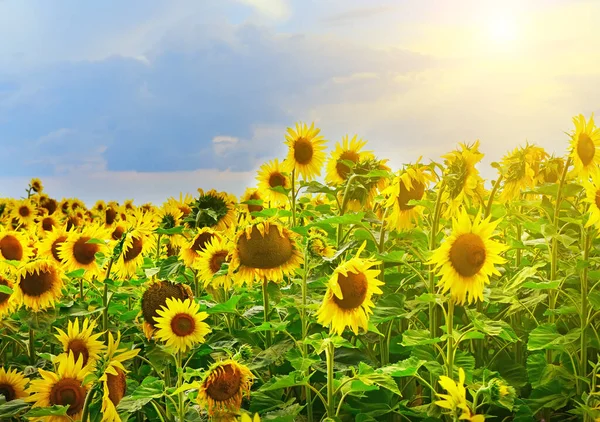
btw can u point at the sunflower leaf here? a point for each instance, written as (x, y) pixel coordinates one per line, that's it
(12, 408)
(5, 289)
(38, 412)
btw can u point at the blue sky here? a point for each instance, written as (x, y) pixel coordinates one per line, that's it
(144, 99)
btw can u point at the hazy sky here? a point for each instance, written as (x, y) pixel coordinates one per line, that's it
(143, 99)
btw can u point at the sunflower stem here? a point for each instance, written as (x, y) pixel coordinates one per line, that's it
(305, 332)
(329, 354)
(268, 334)
(31, 346)
(86, 405)
(450, 341)
(583, 360)
(342, 210)
(293, 193)
(179, 384)
(488, 208)
(105, 300)
(81, 289)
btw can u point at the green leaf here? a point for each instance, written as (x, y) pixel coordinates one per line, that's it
(270, 326)
(150, 388)
(38, 412)
(388, 307)
(12, 408)
(418, 338)
(350, 218)
(96, 241)
(546, 336)
(5, 289)
(76, 274)
(171, 231)
(406, 368)
(548, 396)
(554, 284)
(300, 363)
(290, 380)
(229, 307)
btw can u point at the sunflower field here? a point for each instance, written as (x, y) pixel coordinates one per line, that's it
(337, 289)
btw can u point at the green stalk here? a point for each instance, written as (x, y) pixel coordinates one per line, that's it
(268, 334)
(86, 405)
(105, 299)
(342, 210)
(293, 198)
(329, 353)
(583, 360)
(81, 288)
(31, 346)
(179, 384)
(305, 332)
(450, 341)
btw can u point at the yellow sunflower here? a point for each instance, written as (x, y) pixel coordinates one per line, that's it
(8, 301)
(216, 252)
(347, 301)
(190, 251)
(521, 171)
(99, 207)
(592, 197)
(12, 384)
(39, 284)
(111, 213)
(184, 203)
(48, 203)
(318, 244)
(410, 184)
(169, 216)
(14, 245)
(224, 386)
(76, 252)
(306, 152)
(551, 169)
(113, 379)
(456, 399)
(81, 342)
(48, 248)
(46, 223)
(247, 418)
(585, 142)
(463, 184)
(65, 387)
(271, 175)
(139, 241)
(179, 324)
(36, 185)
(257, 197)
(265, 250)
(24, 212)
(466, 259)
(337, 171)
(155, 297)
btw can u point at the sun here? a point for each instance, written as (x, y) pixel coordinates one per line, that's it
(503, 30)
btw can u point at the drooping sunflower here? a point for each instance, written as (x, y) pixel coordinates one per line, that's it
(36, 185)
(8, 301)
(81, 342)
(306, 153)
(169, 216)
(467, 258)
(265, 250)
(216, 252)
(65, 387)
(77, 252)
(456, 399)
(113, 379)
(155, 297)
(551, 169)
(224, 386)
(184, 203)
(14, 245)
(592, 197)
(39, 284)
(212, 209)
(12, 384)
(24, 212)
(180, 324)
(347, 302)
(337, 171)
(48, 248)
(48, 203)
(189, 252)
(585, 147)
(271, 175)
(139, 241)
(410, 184)
(257, 199)
(111, 213)
(463, 184)
(318, 244)
(521, 170)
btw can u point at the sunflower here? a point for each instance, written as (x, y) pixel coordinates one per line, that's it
(247, 418)
(585, 142)
(8, 301)
(271, 175)
(318, 245)
(551, 169)
(46, 223)
(39, 284)
(216, 252)
(113, 379)
(111, 213)
(410, 184)
(337, 171)
(224, 386)
(306, 151)
(466, 259)
(139, 240)
(463, 184)
(265, 250)
(12, 384)
(257, 199)
(184, 203)
(24, 212)
(36, 185)
(76, 252)
(155, 296)
(169, 216)
(212, 209)
(48, 248)
(189, 252)
(81, 342)
(592, 197)
(456, 399)
(179, 324)
(14, 245)
(521, 171)
(347, 302)
(48, 203)
(65, 387)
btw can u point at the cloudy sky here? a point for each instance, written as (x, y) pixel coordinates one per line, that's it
(145, 99)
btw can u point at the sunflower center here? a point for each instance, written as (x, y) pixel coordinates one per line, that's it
(585, 148)
(156, 296)
(117, 386)
(110, 215)
(342, 169)
(183, 325)
(201, 240)
(118, 232)
(467, 254)
(72, 221)
(255, 197)
(68, 392)
(11, 248)
(269, 251)
(8, 392)
(168, 221)
(276, 179)
(185, 210)
(55, 245)
(50, 204)
(406, 195)
(79, 348)
(47, 224)
(135, 249)
(37, 283)
(217, 259)
(226, 384)
(24, 211)
(303, 151)
(84, 253)
(4, 296)
(354, 290)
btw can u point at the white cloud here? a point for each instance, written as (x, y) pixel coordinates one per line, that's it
(223, 145)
